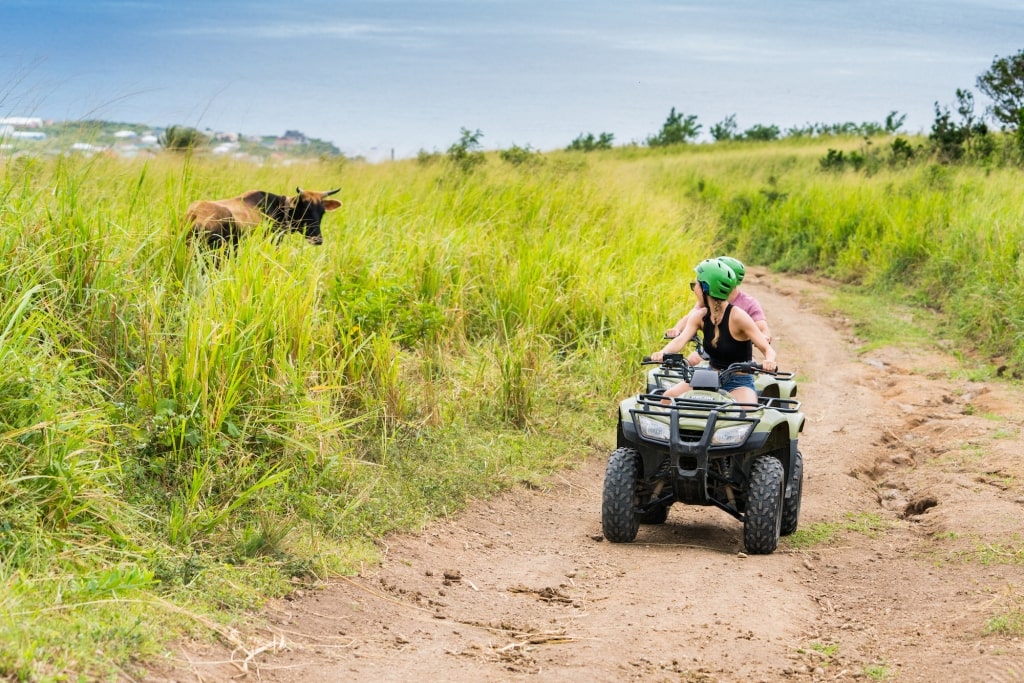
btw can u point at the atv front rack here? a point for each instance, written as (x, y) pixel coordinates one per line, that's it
(705, 410)
(656, 400)
(701, 409)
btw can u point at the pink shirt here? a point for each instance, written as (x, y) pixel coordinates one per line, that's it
(749, 304)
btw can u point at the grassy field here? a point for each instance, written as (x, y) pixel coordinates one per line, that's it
(181, 439)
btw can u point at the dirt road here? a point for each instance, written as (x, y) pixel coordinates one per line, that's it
(916, 478)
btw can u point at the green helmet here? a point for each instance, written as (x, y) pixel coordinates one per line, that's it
(737, 267)
(716, 278)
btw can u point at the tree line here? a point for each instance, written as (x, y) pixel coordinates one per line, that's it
(965, 135)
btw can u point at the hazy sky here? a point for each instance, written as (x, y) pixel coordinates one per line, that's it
(373, 76)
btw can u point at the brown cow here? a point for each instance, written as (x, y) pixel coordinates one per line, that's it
(225, 221)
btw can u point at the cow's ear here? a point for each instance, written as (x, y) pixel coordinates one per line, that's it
(331, 204)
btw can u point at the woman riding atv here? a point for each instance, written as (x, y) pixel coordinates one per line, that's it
(738, 298)
(729, 332)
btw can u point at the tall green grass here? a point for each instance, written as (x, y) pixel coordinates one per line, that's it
(182, 435)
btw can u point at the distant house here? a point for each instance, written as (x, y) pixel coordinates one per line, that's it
(86, 148)
(225, 148)
(291, 138)
(28, 135)
(125, 134)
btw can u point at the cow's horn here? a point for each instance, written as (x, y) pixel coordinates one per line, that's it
(298, 190)
(330, 192)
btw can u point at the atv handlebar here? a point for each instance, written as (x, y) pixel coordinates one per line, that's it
(668, 359)
(677, 360)
(752, 367)
(747, 366)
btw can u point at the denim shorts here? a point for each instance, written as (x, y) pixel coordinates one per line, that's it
(739, 380)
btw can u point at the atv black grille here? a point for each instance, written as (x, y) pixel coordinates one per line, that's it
(691, 435)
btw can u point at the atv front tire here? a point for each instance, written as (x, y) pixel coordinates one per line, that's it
(619, 519)
(763, 521)
(791, 506)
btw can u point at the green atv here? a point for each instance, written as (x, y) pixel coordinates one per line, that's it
(704, 448)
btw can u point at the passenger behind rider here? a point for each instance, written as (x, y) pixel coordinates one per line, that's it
(739, 299)
(729, 332)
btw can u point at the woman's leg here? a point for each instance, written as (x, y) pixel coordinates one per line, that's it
(676, 390)
(744, 395)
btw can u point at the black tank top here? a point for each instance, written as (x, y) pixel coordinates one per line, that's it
(728, 350)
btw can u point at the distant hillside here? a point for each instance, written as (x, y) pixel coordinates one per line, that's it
(41, 136)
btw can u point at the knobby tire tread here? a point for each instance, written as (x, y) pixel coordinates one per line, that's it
(619, 520)
(764, 506)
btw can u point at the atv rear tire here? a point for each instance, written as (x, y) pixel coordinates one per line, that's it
(619, 519)
(791, 506)
(763, 520)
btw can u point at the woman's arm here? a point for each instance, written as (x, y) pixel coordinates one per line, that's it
(677, 343)
(743, 328)
(674, 331)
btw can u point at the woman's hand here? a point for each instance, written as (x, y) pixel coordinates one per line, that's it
(658, 356)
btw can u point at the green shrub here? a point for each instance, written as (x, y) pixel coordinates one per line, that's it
(589, 143)
(182, 139)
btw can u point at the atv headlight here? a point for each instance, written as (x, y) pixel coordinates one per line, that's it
(652, 429)
(732, 436)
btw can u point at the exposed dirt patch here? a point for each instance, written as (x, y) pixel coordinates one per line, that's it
(918, 476)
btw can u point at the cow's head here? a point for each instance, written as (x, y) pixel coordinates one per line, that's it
(306, 210)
